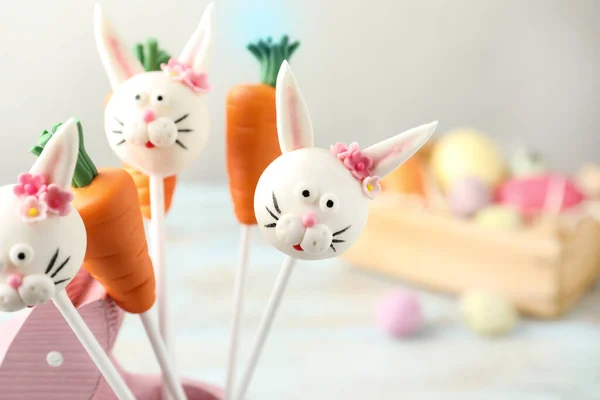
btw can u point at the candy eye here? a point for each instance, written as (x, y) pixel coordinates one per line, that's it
(20, 254)
(329, 203)
(159, 99)
(141, 98)
(306, 193)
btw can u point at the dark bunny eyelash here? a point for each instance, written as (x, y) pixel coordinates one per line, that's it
(61, 266)
(277, 209)
(275, 217)
(120, 143)
(185, 130)
(118, 132)
(181, 119)
(51, 264)
(119, 122)
(342, 231)
(183, 146)
(276, 204)
(333, 241)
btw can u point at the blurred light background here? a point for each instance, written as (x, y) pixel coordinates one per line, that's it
(515, 69)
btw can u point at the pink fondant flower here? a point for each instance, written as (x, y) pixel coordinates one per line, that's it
(357, 163)
(30, 185)
(198, 82)
(338, 148)
(58, 200)
(33, 209)
(371, 186)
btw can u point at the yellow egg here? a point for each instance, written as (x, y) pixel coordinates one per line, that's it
(466, 153)
(487, 313)
(500, 217)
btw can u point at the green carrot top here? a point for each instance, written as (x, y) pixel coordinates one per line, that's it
(270, 56)
(85, 170)
(150, 55)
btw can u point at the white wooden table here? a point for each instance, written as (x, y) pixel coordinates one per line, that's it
(324, 344)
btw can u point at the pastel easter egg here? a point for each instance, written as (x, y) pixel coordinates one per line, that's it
(500, 217)
(467, 195)
(527, 163)
(463, 153)
(488, 314)
(399, 314)
(536, 193)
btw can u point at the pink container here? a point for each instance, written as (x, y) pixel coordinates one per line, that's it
(28, 342)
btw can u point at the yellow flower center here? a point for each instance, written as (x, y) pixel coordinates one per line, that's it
(173, 73)
(370, 188)
(32, 212)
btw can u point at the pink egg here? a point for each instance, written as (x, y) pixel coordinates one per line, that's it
(399, 314)
(467, 196)
(530, 194)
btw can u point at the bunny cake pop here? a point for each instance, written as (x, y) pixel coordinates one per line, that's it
(156, 121)
(42, 239)
(311, 203)
(43, 243)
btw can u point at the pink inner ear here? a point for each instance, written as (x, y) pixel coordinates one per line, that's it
(294, 125)
(120, 57)
(391, 152)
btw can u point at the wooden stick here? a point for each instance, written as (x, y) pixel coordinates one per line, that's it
(173, 384)
(238, 306)
(158, 254)
(91, 345)
(266, 322)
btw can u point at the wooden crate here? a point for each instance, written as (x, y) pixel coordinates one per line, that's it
(543, 272)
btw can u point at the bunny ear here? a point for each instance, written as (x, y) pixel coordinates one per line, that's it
(57, 161)
(119, 62)
(197, 51)
(293, 121)
(393, 152)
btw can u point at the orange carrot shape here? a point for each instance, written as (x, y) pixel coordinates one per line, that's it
(151, 56)
(117, 252)
(251, 131)
(252, 144)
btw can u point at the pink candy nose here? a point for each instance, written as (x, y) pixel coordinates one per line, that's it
(14, 281)
(309, 219)
(149, 116)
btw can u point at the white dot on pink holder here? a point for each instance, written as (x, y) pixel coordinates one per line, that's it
(55, 359)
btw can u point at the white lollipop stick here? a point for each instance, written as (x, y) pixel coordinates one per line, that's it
(312, 203)
(162, 356)
(91, 345)
(238, 307)
(157, 242)
(265, 324)
(157, 123)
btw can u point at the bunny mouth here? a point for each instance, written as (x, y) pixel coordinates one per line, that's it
(298, 247)
(150, 145)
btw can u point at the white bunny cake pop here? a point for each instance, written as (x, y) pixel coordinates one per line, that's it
(42, 237)
(157, 122)
(312, 203)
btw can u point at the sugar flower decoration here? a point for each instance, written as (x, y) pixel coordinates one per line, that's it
(30, 185)
(356, 162)
(185, 74)
(371, 186)
(58, 200)
(33, 209)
